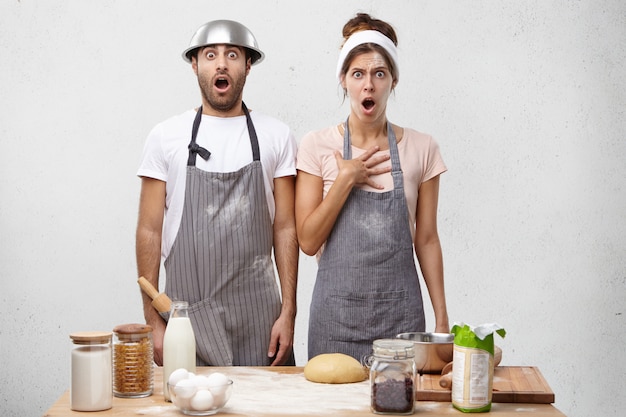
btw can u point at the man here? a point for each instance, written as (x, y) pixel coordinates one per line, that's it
(215, 219)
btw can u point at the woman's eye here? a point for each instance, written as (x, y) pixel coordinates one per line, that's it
(380, 74)
(357, 74)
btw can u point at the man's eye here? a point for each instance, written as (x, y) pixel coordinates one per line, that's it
(210, 55)
(232, 55)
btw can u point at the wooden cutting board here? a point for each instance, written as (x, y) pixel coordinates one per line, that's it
(511, 384)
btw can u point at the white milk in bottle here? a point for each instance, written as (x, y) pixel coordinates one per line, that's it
(179, 343)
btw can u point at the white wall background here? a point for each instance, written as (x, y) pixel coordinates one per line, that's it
(526, 98)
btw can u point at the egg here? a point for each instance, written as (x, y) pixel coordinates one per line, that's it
(202, 400)
(201, 381)
(218, 384)
(185, 388)
(177, 375)
(182, 403)
(217, 379)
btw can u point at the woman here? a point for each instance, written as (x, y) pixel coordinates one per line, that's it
(362, 188)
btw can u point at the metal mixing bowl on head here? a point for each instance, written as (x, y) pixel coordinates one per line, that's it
(432, 350)
(226, 32)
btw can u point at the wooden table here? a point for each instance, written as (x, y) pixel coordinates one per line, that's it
(283, 391)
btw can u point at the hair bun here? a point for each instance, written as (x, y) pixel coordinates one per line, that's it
(363, 21)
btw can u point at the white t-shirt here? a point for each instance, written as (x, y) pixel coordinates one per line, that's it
(165, 157)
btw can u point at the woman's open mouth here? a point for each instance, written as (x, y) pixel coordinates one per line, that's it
(368, 104)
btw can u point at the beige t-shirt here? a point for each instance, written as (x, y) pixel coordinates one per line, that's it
(420, 161)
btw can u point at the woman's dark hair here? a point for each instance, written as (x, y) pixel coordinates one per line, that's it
(363, 21)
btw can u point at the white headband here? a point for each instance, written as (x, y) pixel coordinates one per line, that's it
(368, 36)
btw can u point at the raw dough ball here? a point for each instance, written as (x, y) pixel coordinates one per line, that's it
(334, 368)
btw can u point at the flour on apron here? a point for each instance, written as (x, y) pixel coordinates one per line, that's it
(367, 285)
(221, 262)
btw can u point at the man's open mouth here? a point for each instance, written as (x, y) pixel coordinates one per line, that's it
(221, 83)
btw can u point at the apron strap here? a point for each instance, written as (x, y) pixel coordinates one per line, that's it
(254, 141)
(194, 148)
(396, 170)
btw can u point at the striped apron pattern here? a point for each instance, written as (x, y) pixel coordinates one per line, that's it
(367, 284)
(221, 260)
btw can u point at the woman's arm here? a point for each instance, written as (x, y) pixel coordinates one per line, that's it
(428, 250)
(315, 215)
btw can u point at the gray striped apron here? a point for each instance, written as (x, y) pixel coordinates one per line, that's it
(221, 263)
(367, 284)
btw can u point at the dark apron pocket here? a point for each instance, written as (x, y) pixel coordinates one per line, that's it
(364, 316)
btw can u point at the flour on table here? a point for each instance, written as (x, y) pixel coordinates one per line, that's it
(157, 410)
(269, 393)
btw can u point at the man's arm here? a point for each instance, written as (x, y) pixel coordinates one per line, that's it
(148, 253)
(286, 255)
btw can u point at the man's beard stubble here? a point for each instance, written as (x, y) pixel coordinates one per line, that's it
(222, 103)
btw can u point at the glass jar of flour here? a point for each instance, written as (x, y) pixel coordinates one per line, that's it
(91, 380)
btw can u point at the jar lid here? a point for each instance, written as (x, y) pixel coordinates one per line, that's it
(394, 348)
(132, 328)
(90, 338)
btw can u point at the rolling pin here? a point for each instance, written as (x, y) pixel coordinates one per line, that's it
(161, 302)
(446, 373)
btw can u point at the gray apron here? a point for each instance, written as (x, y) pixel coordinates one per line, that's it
(367, 285)
(221, 263)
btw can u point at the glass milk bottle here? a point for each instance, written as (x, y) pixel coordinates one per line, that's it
(91, 386)
(179, 343)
